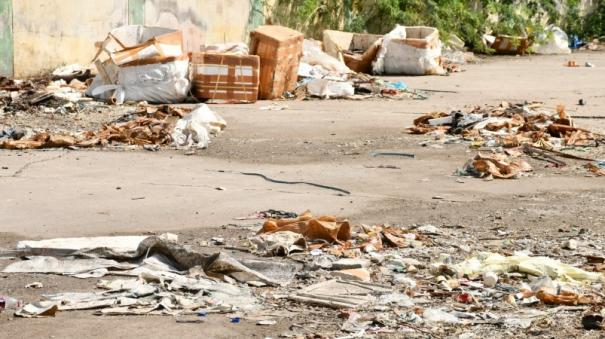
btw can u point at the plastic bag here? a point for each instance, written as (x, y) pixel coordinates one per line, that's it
(555, 41)
(195, 128)
(327, 89)
(160, 83)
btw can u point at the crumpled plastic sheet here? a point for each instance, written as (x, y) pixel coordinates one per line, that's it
(195, 129)
(280, 243)
(536, 266)
(498, 166)
(328, 228)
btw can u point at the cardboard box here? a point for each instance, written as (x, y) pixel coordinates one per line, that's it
(356, 50)
(280, 51)
(225, 77)
(511, 45)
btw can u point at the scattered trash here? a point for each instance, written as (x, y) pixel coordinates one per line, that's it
(195, 129)
(38, 310)
(328, 228)
(266, 322)
(34, 285)
(164, 128)
(553, 41)
(507, 129)
(339, 294)
(327, 89)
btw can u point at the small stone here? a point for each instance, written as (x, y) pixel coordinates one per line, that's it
(571, 244)
(490, 279)
(428, 229)
(404, 280)
(359, 274)
(412, 269)
(376, 258)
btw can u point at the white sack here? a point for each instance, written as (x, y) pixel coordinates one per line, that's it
(555, 41)
(195, 128)
(327, 89)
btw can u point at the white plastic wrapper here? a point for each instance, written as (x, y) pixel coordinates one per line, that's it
(327, 89)
(195, 129)
(556, 42)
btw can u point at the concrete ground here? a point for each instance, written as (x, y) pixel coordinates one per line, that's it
(73, 193)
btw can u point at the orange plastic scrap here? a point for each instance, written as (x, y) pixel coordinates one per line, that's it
(422, 126)
(327, 228)
(600, 172)
(424, 119)
(565, 298)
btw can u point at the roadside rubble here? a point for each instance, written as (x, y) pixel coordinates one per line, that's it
(414, 281)
(509, 132)
(151, 126)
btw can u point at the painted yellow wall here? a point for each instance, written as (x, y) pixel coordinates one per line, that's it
(208, 21)
(50, 33)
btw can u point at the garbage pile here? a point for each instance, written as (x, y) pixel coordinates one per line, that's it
(415, 281)
(510, 131)
(148, 126)
(340, 69)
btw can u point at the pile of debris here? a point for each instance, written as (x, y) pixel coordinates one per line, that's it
(511, 130)
(151, 127)
(382, 278)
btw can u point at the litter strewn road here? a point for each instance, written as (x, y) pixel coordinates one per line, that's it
(69, 193)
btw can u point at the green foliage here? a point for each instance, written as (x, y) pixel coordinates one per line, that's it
(467, 19)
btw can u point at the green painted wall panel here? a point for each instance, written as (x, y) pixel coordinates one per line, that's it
(6, 38)
(257, 14)
(136, 12)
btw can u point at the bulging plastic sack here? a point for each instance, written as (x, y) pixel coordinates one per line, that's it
(327, 89)
(159, 83)
(195, 129)
(554, 41)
